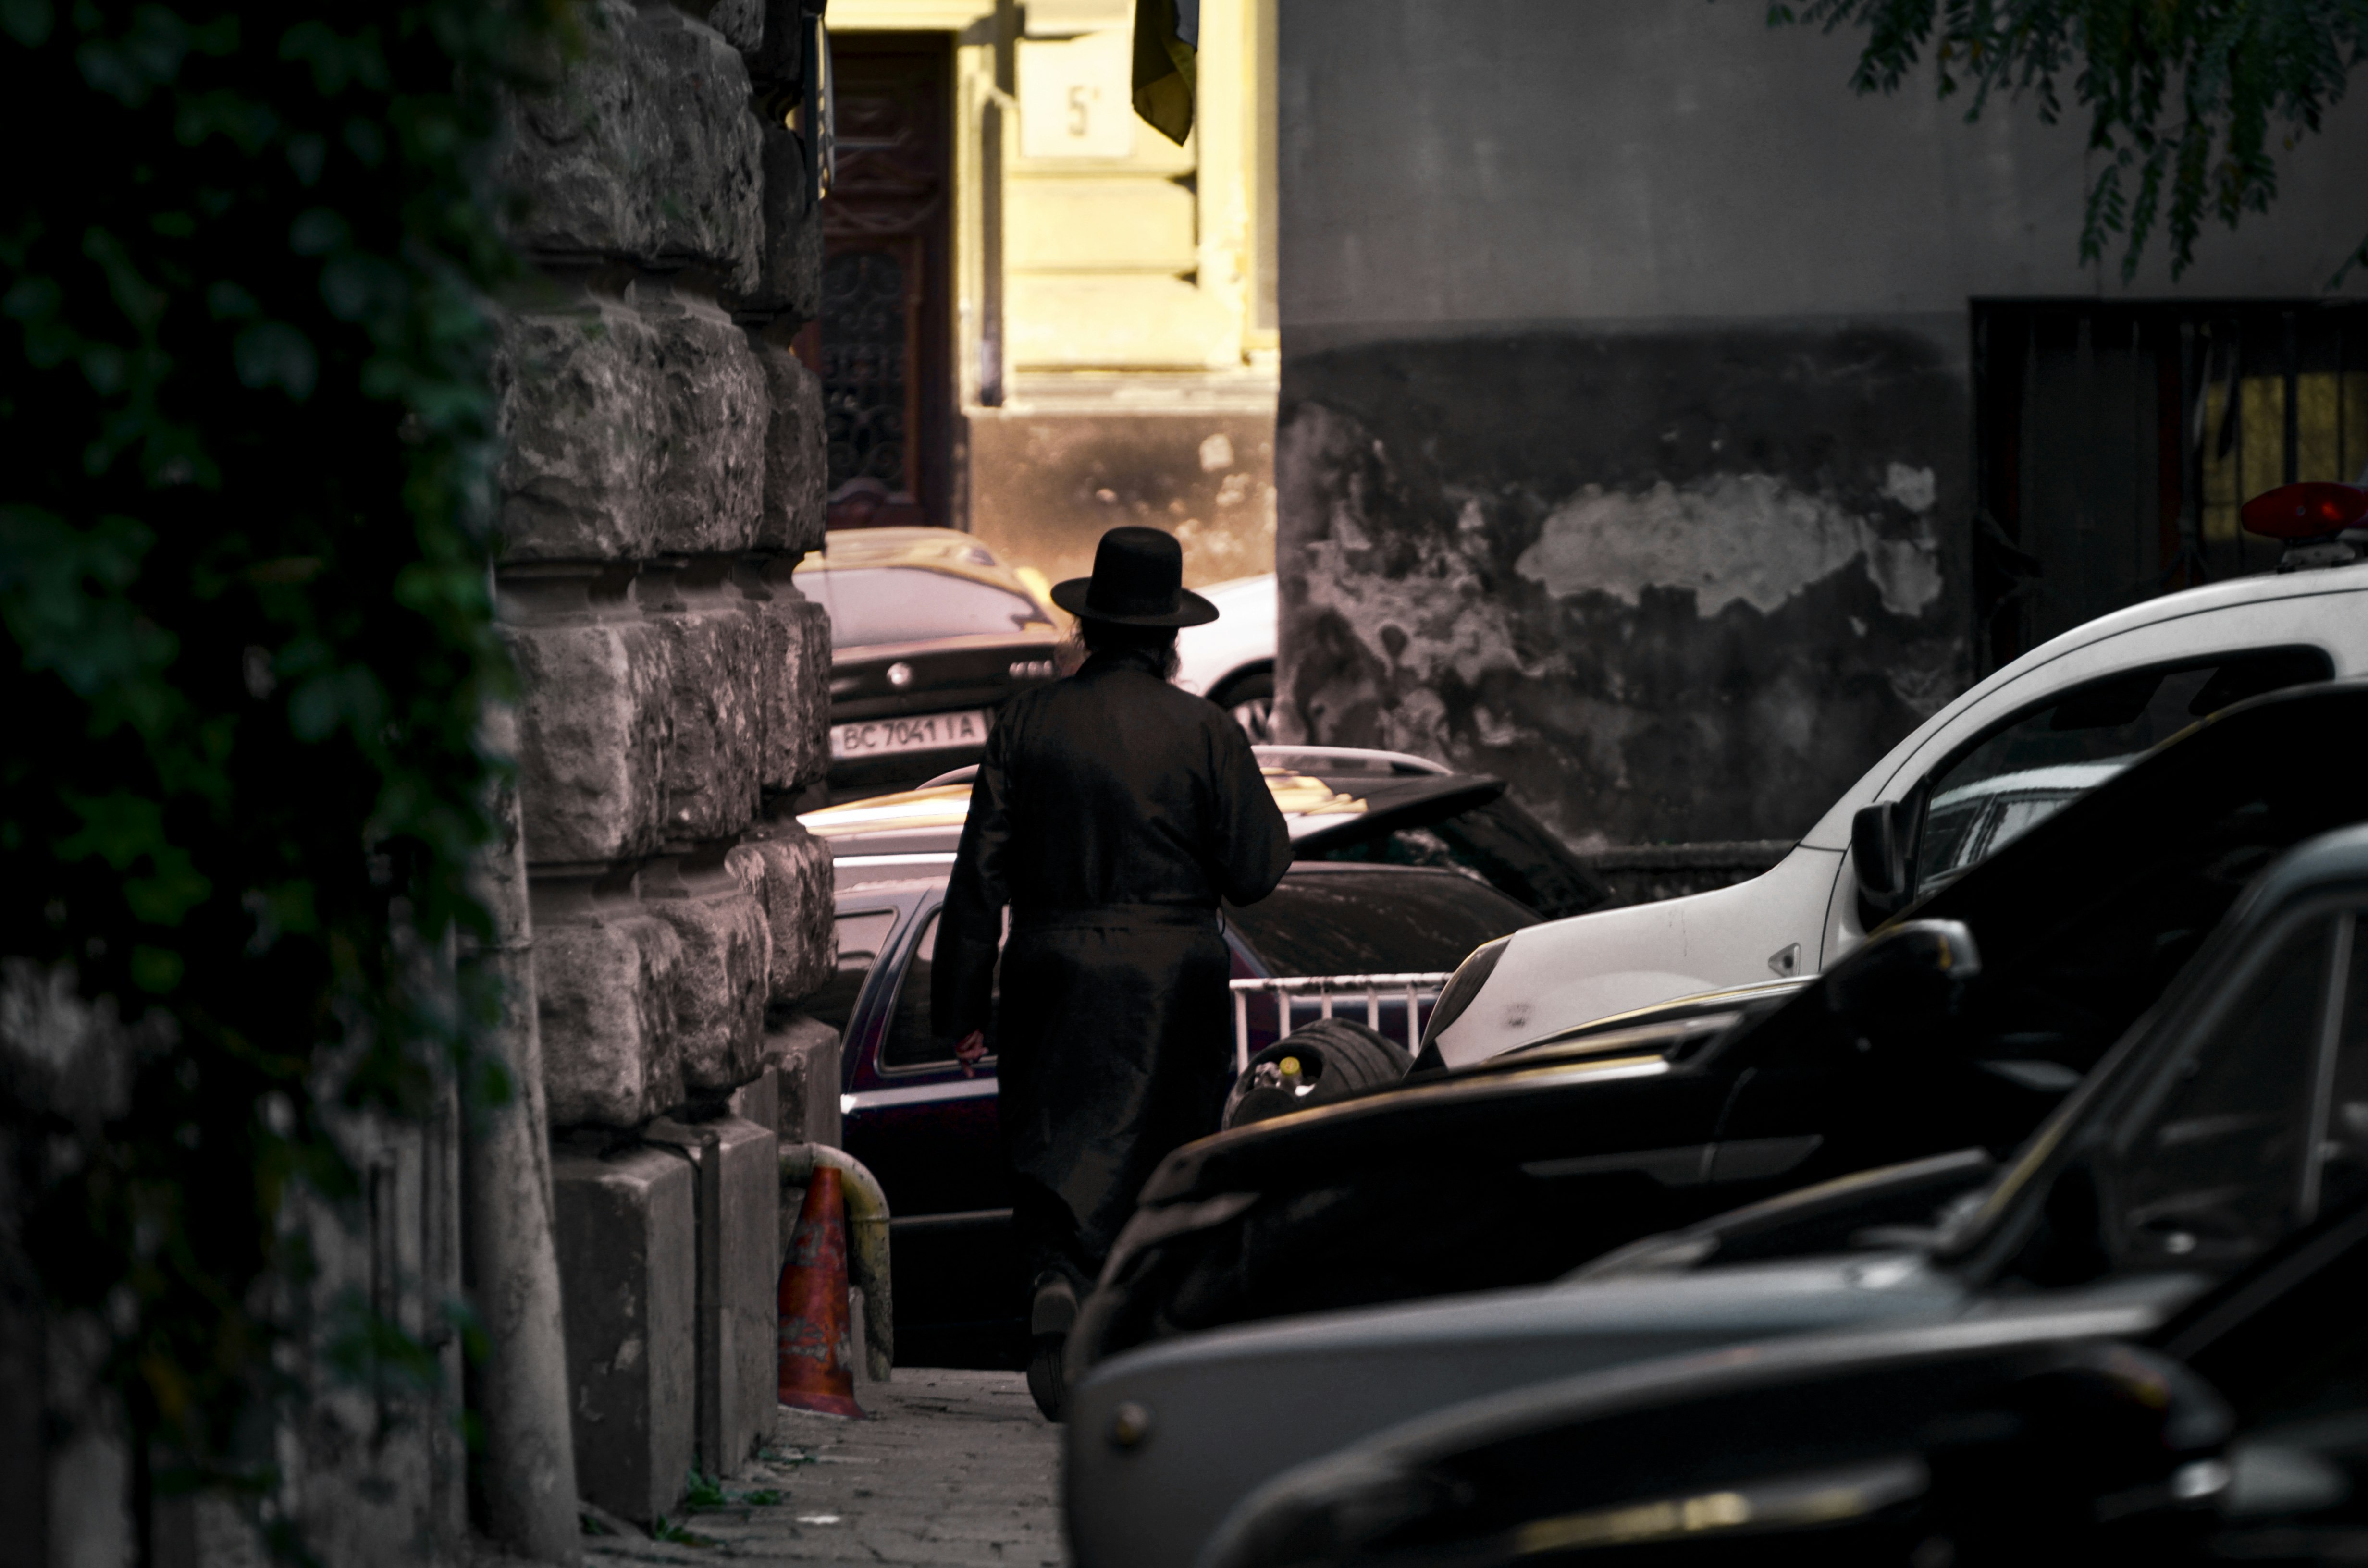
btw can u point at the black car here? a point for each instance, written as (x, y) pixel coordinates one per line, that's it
(2230, 1119)
(2236, 1432)
(926, 1125)
(929, 636)
(1530, 1167)
(2077, 1399)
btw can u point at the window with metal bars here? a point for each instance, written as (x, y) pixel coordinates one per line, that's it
(2115, 443)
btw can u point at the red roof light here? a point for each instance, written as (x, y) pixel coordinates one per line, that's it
(2314, 509)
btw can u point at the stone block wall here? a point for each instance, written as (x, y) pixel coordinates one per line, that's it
(662, 474)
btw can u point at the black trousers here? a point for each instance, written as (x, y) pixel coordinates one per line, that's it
(1114, 1035)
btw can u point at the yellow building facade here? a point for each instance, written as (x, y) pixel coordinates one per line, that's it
(1040, 317)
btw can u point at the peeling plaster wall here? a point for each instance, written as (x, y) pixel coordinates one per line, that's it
(1687, 598)
(1625, 439)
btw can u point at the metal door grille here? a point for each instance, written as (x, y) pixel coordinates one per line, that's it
(2116, 443)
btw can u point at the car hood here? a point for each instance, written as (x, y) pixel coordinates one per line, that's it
(1228, 1411)
(1611, 960)
(1408, 1115)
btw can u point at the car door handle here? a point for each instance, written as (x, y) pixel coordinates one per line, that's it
(1686, 1165)
(1757, 1159)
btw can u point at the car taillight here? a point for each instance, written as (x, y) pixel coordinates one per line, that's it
(2319, 522)
(2312, 510)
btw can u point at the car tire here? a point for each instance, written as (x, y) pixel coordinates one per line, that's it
(1048, 1382)
(1249, 697)
(1348, 1057)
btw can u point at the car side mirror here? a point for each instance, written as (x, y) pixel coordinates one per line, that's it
(2105, 1437)
(1915, 971)
(1882, 836)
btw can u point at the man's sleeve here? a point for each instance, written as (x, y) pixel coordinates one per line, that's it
(1256, 850)
(961, 982)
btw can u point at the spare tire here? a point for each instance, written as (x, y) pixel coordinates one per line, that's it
(1335, 1058)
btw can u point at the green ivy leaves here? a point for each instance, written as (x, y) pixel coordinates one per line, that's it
(245, 633)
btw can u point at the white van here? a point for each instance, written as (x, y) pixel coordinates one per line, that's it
(2059, 720)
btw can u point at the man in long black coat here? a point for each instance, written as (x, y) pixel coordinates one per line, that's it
(1111, 812)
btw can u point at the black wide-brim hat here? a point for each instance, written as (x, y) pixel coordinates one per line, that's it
(1138, 581)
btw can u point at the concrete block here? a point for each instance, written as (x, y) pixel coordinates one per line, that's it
(714, 703)
(777, 59)
(572, 153)
(797, 458)
(583, 416)
(740, 22)
(626, 1230)
(719, 984)
(643, 149)
(805, 1052)
(804, 1055)
(789, 262)
(703, 178)
(607, 988)
(759, 1099)
(708, 484)
(788, 869)
(595, 728)
(738, 1167)
(795, 680)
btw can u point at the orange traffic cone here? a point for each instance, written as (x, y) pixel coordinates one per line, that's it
(817, 1343)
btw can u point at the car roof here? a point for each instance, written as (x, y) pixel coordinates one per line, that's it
(1316, 810)
(898, 876)
(1831, 829)
(948, 552)
(1323, 762)
(890, 547)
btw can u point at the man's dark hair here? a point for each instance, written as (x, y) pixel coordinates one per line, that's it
(1112, 637)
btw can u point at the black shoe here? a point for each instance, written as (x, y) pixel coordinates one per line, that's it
(1054, 1307)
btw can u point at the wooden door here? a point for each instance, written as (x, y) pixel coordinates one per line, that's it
(883, 345)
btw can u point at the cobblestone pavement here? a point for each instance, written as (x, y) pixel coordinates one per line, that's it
(954, 1468)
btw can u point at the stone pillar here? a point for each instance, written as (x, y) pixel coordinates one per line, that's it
(661, 475)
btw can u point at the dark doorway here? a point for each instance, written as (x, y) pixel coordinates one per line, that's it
(884, 345)
(2116, 443)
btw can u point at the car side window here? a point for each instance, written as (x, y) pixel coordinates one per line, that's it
(859, 934)
(2215, 1173)
(2016, 775)
(2340, 1177)
(910, 1042)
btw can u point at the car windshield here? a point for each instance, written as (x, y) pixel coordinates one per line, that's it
(1353, 921)
(1498, 841)
(2019, 775)
(872, 606)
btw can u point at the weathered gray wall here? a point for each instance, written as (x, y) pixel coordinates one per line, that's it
(1625, 439)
